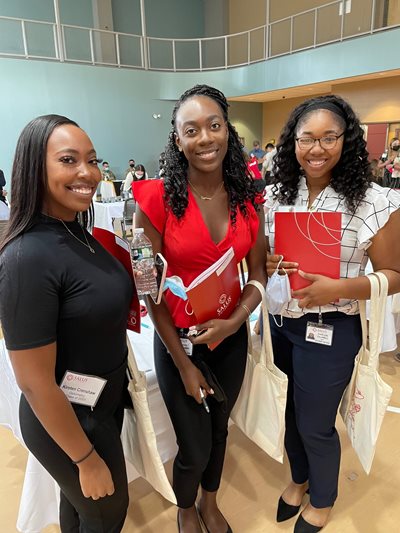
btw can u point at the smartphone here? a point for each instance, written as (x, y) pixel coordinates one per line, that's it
(161, 266)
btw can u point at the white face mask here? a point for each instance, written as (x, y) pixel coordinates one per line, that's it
(278, 292)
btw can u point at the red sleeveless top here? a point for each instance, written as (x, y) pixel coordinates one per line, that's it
(187, 244)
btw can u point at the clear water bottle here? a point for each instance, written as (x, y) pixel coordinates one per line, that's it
(143, 259)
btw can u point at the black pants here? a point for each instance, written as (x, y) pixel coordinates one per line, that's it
(102, 426)
(318, 376)
(201, 436)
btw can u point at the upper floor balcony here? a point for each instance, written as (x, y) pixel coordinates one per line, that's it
(328, 23)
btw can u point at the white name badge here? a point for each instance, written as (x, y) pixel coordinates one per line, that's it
(81, 388)
(187, 346)
(319, 333)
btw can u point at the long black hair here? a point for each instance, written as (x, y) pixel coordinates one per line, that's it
(237, 180)
(351, 177)
(29, 176)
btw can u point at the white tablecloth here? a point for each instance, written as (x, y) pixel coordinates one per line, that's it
(106, 189)
(40, 494)
(4, 211)
(105, 213)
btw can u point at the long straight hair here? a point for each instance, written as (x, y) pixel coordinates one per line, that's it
(29, 176)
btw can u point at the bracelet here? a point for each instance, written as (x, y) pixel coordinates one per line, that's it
(84, 457)
(246, 309)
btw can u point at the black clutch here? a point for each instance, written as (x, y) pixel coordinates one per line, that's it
(219, 393)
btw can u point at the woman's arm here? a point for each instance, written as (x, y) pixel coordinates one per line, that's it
(162, 320)
(384, 253)
(34, 371)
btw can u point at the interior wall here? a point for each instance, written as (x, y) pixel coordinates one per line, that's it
(393, 12)
(374, 101)
(246, 117)
(121, 126)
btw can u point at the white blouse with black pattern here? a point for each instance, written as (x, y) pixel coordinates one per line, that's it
(357, 231)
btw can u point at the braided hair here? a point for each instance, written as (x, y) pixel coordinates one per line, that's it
(351, 177)
(237, 180)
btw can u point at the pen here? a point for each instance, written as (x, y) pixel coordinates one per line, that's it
(204, 400)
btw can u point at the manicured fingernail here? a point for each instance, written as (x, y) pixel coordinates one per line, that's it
(211, 391)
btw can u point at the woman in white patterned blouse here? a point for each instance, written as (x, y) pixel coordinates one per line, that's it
(322, 165)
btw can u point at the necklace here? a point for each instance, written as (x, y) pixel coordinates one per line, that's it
(73, 234)
(206, 197)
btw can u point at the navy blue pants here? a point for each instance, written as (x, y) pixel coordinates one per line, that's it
(318, 376)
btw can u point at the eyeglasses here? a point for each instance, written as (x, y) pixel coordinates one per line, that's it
(327, 143)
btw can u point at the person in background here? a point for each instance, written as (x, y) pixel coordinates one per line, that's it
(267, 166)
(63, 308)
(106, 172)
(322, 165)
(395, 177)
(138, 175)
(126, 185)
(131, 167)
(388, 163)
(257, 152)
(161, 164)
(252, 166)
(205, 205)
(375, 172)
(3, 192)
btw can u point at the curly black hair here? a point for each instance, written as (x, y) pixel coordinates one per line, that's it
(237, 180)
(351, 177)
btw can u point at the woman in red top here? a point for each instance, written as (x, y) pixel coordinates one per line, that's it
(205, 205)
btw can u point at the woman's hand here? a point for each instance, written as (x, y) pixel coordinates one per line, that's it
(95, 477)
(273, 261)
(213, 331)
(193, 380)
(322, 291)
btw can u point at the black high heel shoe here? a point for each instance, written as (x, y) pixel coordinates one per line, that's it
(286, 511)
(302, 526)
(177, 521)
(229, 530)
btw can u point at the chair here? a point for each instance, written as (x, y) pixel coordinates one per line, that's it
(127, 217)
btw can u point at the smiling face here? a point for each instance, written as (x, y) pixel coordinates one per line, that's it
(318, 162)
(72, 172)
(202, 135)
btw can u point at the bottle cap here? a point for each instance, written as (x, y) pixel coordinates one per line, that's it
(139, 230)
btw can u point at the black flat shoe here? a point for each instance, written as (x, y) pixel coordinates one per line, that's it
(229, 530)
(285, 510)
(302, 526)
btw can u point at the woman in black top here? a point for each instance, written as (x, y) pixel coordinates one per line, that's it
(64, 305)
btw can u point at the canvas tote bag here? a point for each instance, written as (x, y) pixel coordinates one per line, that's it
(138, 436)
(260, 408)
(367, 396)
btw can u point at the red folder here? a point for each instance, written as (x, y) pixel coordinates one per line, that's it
(311, 239)
(216, 291)
(119, 248)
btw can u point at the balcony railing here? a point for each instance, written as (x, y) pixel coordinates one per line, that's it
(33, 39)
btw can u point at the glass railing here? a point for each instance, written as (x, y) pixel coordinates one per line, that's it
(308, 29)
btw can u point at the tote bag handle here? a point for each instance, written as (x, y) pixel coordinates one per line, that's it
(379, 290)
(267, 353)
(136, 374)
